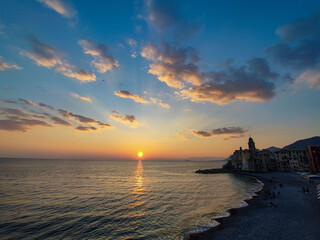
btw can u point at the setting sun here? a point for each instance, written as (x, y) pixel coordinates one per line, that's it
(140, 154)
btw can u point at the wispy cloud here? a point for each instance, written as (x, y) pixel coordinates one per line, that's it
(60, 121)
(61, 7)
(34, 104)
(21, 124)
(47, 56)
(231, 132)
(133, 45)
(126, 94)
(125, 118)
(86, 129)
(174, 66)
(15, 119)
(76, 95)
(141, 99)
(185, 134)
(102, 60)
(5, 66)
(159, 102)
(19, 120)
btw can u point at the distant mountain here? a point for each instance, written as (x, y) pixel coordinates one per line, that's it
(273, 149)
(304, 143)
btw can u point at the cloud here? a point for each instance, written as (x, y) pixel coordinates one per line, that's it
(126, 118)
(82, 119)
(86, 129)
(34, 104)
(299, 49)
(8, 101)
(60, 6)
(13, 112)
(141, 99)
(234, 132)
(159, 102)
(261, 68)
(46, 106)
(21, 124)
(102, 60)
(202, 133)
(228, 130)
(78, 117)
(174, 66)
(75, 95)
(133, 45)
(13, 119)
(47, 56)
(60, 121)
(184, 134)
(5, 66)
(233, 84)
(126, 94)
(299, 56)
(28, 102)
(304, 28)
(165, 15)
(18, 120)
(310, 77)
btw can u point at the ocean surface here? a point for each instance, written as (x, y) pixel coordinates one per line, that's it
(88, 199)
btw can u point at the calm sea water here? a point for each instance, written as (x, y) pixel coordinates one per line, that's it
(86, 199)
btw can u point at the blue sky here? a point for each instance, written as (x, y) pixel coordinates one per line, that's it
(170, 78)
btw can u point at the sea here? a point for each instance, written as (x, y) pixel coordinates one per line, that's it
(114, 199)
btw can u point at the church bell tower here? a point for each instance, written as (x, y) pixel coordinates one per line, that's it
(251, 145)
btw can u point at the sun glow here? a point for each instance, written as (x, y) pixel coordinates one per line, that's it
(140, 154)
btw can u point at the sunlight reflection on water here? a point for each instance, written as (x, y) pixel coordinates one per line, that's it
(112, 199)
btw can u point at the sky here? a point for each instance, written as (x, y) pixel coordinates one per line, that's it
(172, 79)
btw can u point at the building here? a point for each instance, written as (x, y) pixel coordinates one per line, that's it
(284, 160)
(293, 160)
(254, 160)
(267, 161)
(314, 152)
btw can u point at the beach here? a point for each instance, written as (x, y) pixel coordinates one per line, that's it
(292, 214)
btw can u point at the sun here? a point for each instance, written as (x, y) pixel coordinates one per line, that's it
(140, 154)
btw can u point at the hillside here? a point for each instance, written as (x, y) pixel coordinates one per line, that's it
(304, 143)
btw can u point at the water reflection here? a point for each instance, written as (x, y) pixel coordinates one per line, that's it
(138, 191)
(139, 188)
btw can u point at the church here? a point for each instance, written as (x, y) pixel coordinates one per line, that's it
(254, 160)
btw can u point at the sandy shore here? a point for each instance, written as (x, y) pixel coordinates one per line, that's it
(295, 216)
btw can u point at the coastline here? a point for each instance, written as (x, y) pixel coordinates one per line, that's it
(259, 220)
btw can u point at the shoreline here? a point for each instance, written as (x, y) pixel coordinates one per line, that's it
(222, 221)
(257, 219)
